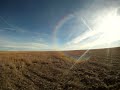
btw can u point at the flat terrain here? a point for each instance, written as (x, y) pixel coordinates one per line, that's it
(69, 70)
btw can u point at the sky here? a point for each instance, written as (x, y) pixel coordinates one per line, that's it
(33, 25)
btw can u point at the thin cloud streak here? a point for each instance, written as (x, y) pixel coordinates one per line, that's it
(100, 33)
(15, 28)
(23, 45)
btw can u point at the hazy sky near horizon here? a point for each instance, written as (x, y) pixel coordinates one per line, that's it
(56, 24)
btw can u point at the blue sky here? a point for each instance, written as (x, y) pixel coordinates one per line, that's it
(53, 24)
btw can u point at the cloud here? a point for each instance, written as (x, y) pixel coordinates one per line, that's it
(15, 28)
(103, 34)
(12, 45)
(36, 40)
(10, 27)
(92, 44)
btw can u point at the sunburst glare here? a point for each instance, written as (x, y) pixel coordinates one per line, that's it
(109, 26)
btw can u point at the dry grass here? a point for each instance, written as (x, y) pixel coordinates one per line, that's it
(51, 70)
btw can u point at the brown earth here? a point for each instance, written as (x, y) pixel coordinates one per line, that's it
(95, 70)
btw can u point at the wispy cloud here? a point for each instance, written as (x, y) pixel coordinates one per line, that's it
(10, 27)
(36, 40)
(101, 35)
(11, 45)
(15, 28)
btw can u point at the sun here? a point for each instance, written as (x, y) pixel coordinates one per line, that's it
(110, 27)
